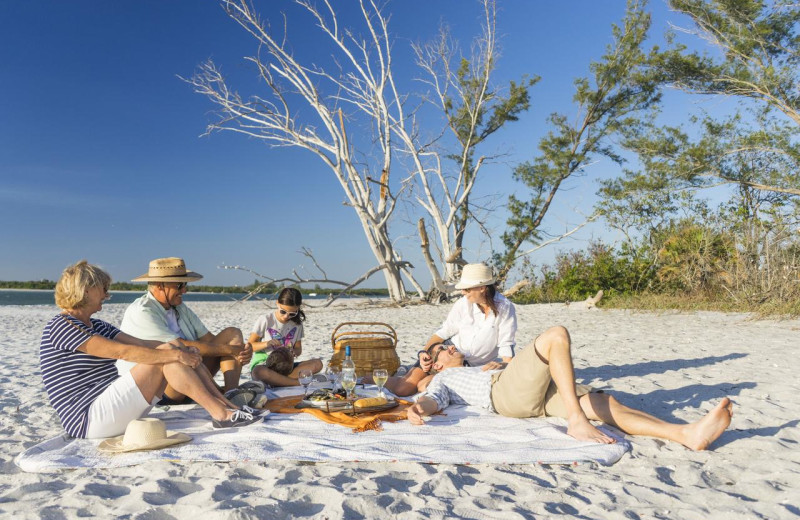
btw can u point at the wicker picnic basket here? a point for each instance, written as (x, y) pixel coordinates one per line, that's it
(372, 345)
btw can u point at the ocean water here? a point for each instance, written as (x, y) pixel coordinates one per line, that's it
(22, 297)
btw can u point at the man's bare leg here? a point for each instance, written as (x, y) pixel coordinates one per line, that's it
(696, 436)
(229, 366)
(553, 347)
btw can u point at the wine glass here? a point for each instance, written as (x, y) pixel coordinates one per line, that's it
(380, 375)
(305, 377)
(349, 380)
(333, 376)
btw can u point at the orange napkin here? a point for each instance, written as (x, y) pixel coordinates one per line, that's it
(359, 423)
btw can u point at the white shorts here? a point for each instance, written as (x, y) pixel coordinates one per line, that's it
(123, 367)
(119, 404)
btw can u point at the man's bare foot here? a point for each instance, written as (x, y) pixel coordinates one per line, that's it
(699, 435)
(580, 428)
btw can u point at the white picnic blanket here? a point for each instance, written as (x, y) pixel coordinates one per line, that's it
(465, 435)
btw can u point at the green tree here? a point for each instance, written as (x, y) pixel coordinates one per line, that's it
(618, 89)
(474, 109)
(750, 157)
(759, 65)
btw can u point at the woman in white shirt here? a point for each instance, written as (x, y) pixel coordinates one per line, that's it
(482, 324)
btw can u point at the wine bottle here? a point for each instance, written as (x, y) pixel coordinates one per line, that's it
(347, 364)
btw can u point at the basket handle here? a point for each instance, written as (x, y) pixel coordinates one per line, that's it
(392, 334)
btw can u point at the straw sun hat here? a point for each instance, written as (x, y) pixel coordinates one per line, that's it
(475, 275)
(143, 434)
(170, 269)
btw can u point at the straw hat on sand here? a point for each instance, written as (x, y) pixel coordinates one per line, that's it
(143, 434)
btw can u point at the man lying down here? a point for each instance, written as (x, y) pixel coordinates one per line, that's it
(540, 381)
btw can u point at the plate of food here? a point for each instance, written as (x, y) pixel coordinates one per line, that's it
(363, 401)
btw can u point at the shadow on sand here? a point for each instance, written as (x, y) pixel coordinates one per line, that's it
(609, 372)
(664, 402)
(767, 431)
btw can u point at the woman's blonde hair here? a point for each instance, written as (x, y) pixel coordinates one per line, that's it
(75, 281)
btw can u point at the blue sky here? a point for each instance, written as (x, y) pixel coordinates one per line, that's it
(102, 156)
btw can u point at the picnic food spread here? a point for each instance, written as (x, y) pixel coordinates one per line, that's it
(324, 394)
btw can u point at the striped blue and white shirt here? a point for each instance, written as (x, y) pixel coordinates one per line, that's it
(468, 385)
(73, 380)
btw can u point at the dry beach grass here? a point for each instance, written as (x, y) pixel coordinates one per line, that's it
(673, 365)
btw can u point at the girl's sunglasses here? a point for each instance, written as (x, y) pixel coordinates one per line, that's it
(287, 313)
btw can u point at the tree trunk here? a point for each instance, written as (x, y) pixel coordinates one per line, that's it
(381, 245)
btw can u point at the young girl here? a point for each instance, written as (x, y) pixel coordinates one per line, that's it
(282, 328)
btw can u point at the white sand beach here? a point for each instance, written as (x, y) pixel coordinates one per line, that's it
(676, 366)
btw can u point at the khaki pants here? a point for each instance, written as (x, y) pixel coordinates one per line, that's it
(526, 388)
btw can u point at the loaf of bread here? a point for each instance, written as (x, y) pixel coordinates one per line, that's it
(370, 401)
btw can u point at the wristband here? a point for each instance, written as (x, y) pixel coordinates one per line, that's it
(423, 351)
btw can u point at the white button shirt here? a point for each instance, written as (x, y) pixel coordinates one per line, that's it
(462, 385)
(481, 339)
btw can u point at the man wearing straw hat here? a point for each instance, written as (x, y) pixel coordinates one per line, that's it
(161, 315)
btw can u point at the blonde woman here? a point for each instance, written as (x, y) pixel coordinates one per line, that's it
(77, 357)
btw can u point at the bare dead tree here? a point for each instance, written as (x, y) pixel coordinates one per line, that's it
(473, 109)
(364, 85)
(363, 90)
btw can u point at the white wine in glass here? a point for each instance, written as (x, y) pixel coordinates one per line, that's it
(349, 382)
(380, 376)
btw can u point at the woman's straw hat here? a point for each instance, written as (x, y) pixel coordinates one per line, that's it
(143, 434)
(168, 270)
(475, 275)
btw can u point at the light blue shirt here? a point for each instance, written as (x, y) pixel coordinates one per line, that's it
(146, 319)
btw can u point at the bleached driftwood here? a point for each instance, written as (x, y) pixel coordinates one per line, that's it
(516, 288)
(297, 279)
(591, 302)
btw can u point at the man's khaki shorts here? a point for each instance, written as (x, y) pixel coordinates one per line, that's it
(526, 389)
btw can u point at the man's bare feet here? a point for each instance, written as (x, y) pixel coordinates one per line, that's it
(580, 428)
(699, 435)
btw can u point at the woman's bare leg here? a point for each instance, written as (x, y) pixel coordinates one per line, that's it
(212, 388)
(152, 379)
